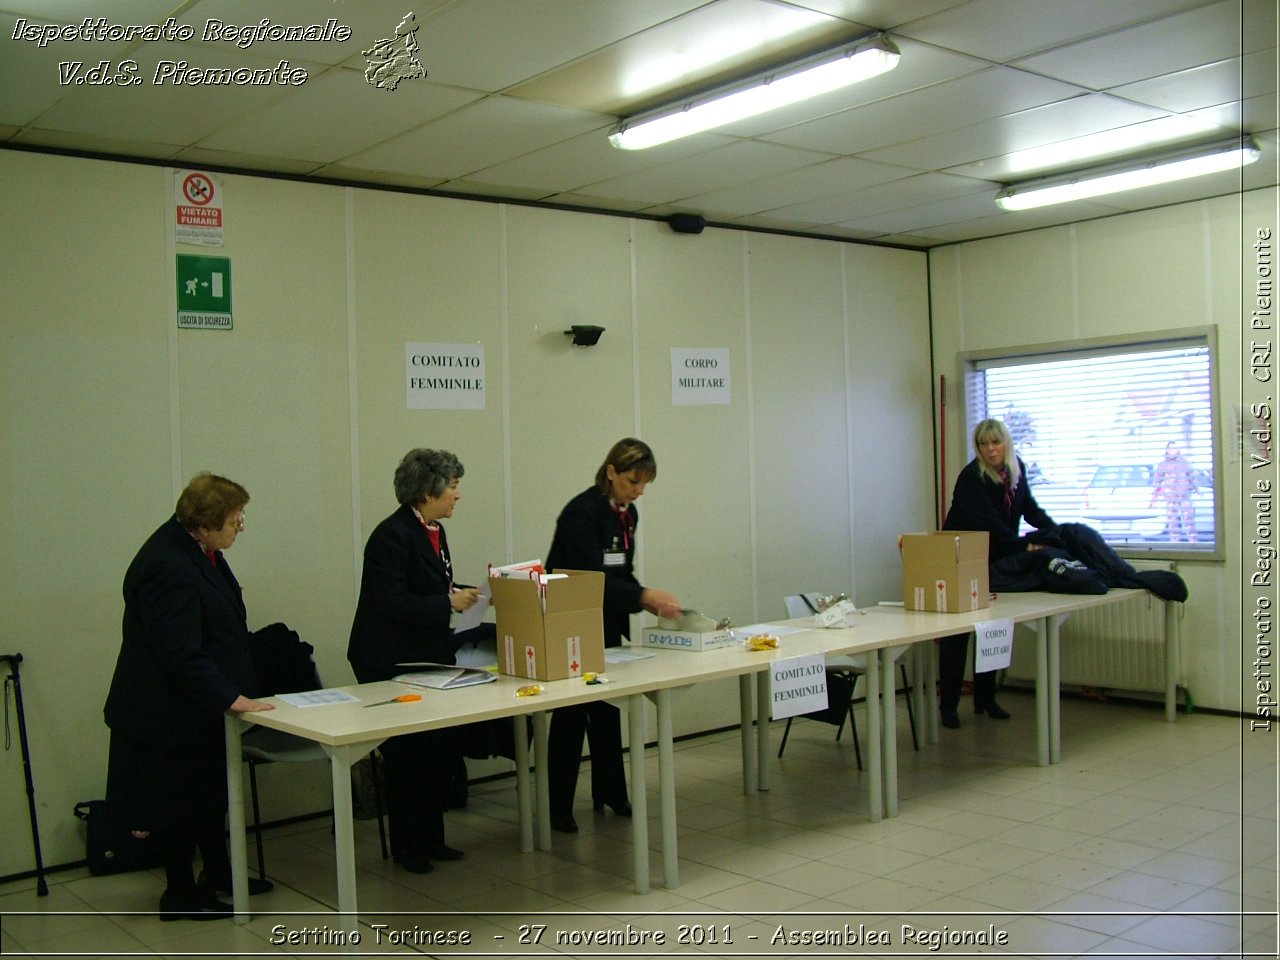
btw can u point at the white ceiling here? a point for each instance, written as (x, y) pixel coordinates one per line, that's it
(520, 96)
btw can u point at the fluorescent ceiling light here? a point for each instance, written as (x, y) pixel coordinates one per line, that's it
(779, 87)
(1100, 181)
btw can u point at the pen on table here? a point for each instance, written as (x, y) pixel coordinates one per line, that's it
(403, 698)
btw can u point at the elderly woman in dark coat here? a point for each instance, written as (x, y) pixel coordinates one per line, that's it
(407, 597)
(184, 662)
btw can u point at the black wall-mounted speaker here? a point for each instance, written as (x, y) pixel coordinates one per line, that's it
(686, 222)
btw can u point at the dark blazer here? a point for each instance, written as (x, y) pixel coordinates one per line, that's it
(185, 652)
(978, 504)
(402, 615)
(585, 529)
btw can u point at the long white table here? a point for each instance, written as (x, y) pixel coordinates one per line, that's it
(888, 627)
(347, 732)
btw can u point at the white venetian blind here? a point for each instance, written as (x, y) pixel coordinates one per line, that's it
(1094, 426)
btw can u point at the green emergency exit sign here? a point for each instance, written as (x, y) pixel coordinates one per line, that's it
(204, 292)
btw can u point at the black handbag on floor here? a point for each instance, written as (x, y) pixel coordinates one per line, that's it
(111, 848)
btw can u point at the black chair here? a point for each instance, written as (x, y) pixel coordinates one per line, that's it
(284, 663)
(842, 680)
(263, 745)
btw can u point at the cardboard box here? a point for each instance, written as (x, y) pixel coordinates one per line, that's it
(550, 631)
(945, 571)
(685, 639)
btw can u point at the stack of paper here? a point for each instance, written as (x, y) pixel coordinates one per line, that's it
(439, 676)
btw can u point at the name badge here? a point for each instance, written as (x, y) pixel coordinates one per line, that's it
(615, 558)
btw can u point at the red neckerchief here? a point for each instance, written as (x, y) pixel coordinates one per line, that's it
(433, 531)
(626, 522)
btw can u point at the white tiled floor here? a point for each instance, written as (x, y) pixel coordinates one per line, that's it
(1149, 839)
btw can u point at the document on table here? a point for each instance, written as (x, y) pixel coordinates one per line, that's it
(317, 698)
(623, 655)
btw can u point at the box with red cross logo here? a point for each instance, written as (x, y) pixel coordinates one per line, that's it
(551, 630)
(945, 571)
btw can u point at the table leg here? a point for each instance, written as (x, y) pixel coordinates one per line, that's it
(889, 732)
(915, 663)
(235, 819)
(639, 793)
(930, 713)
(875, 761)
(1042, 691)
(1171, 665)
(667, 788)
(764, 708)
(748, 734)
(524, 784)
(1053, 653)
(344, 834)
(540, 767)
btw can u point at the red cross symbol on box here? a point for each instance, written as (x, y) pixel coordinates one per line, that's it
(574, 666)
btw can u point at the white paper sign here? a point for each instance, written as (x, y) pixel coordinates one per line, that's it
(699, 375)
(444, 376)
(993, 648)
(799, 685)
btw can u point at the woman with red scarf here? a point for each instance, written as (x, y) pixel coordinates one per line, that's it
(597, 531)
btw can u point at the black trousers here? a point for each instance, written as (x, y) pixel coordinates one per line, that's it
(179, 793)
(601, 723)
(953, 653)
(418, 768)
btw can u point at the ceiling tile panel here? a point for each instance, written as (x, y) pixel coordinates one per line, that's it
(956, 103)
(1206, 34)
(736, 163)
(335, 115)
(166, 111)
(825, 179)
(486, 132)
(1017, 131)
(1005, 30)
(894, 195)
(493, 44)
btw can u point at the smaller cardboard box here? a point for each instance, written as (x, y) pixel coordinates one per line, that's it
(945, 571)
(552, 630)
(685, 639)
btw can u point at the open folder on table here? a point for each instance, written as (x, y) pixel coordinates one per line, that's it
(439, 676)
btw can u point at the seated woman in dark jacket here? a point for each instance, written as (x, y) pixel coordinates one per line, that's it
(991, 494)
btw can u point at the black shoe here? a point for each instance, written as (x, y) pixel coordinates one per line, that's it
(443, 852)
(564, 823)
(414, 862)
(223, 884)
(198, 905)
(994, 711)
(949, 719)
(622, 808)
